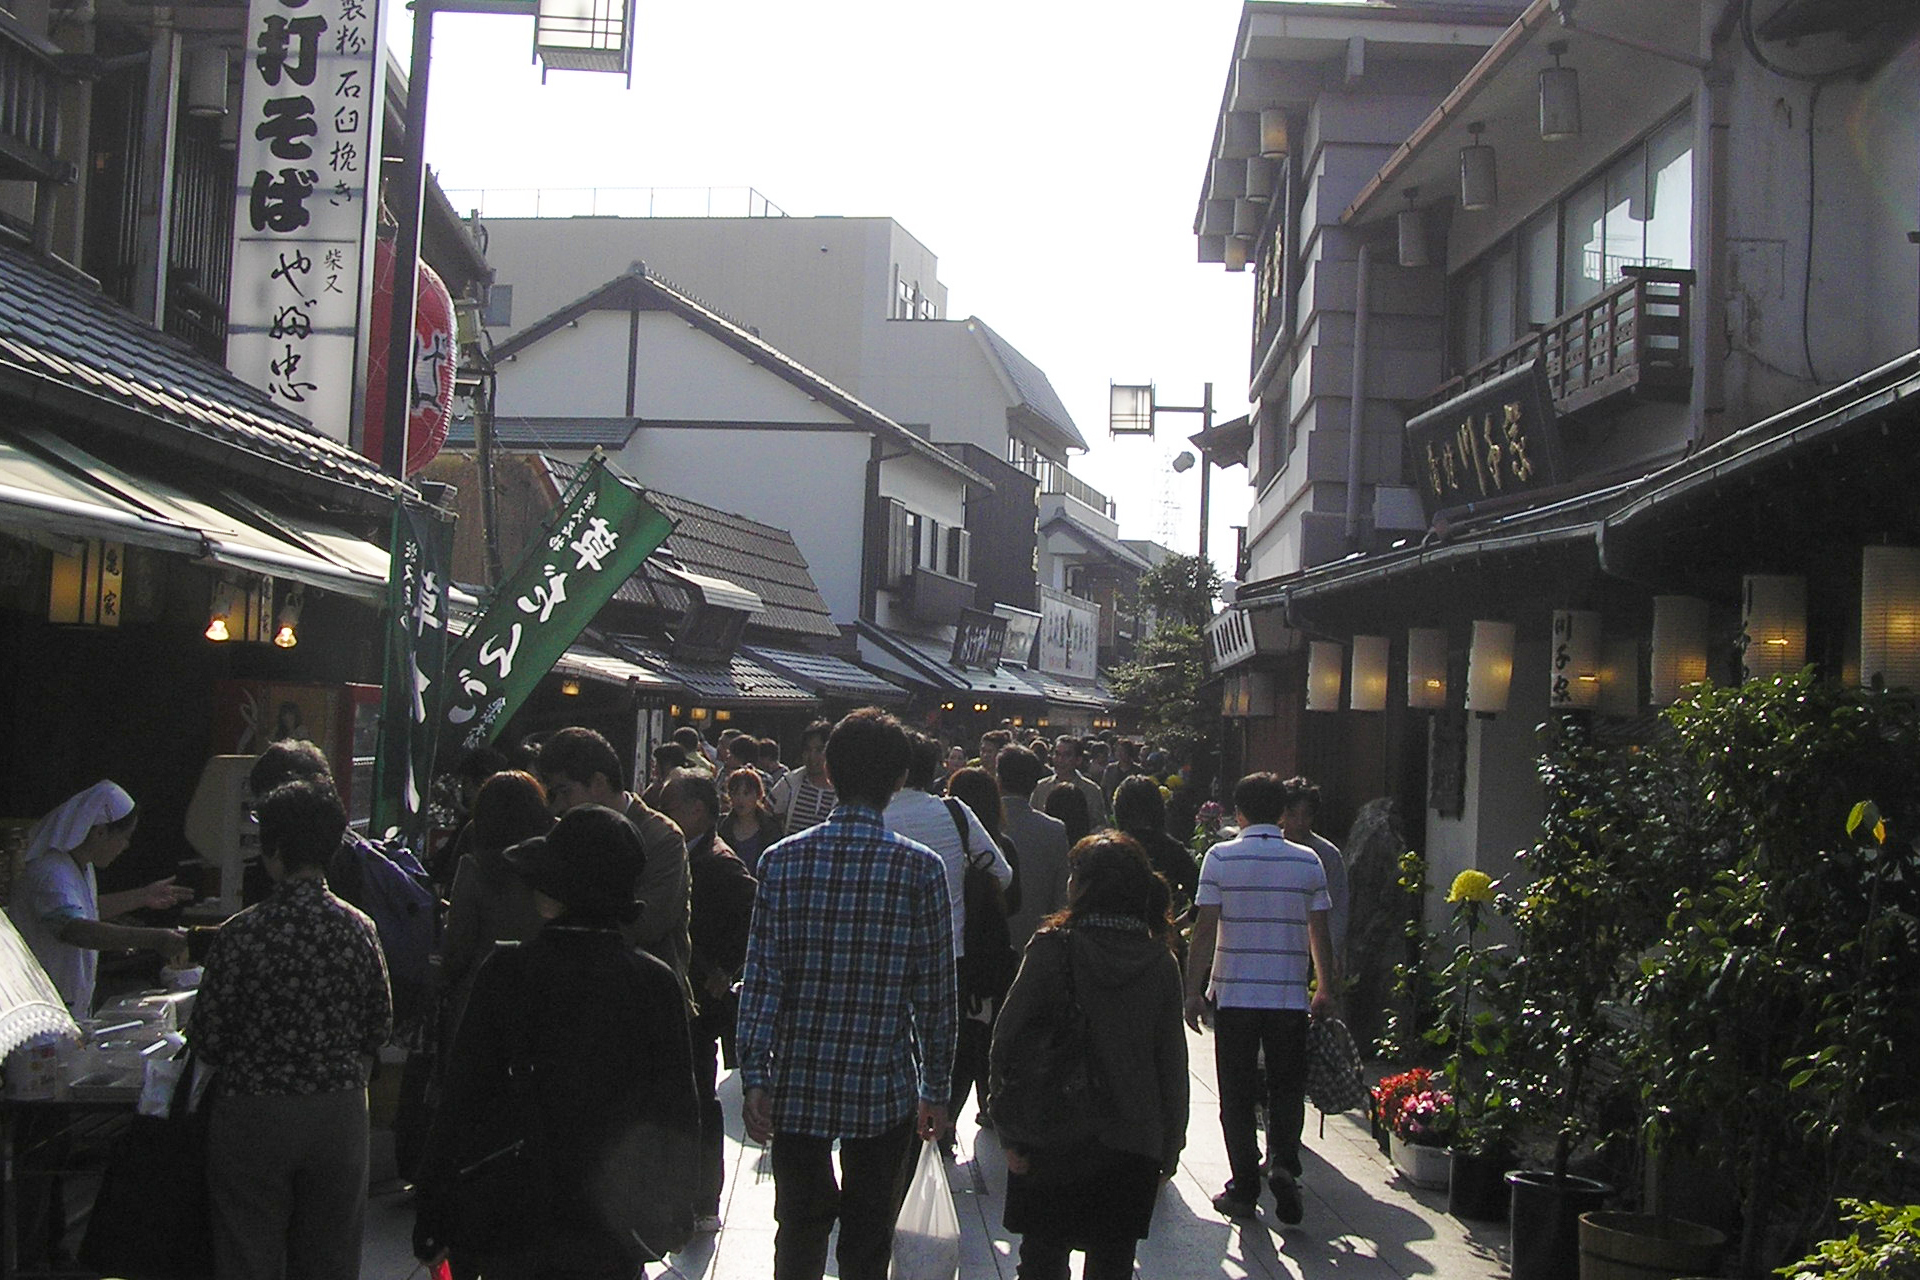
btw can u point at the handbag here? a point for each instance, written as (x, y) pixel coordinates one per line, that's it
(153, 1219)
(1052, 1089)
(1333, 1067)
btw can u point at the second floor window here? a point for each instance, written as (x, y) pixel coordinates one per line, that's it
(1638, 212)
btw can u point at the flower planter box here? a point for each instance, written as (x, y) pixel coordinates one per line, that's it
(1428, 1167)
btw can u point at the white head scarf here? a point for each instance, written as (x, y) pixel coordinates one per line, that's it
(67, 826)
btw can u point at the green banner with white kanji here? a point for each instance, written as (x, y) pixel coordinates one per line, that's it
(602, 533)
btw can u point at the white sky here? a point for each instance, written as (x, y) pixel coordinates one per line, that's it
(1049, 152)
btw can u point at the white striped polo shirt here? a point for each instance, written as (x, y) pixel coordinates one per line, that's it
(1264, 885)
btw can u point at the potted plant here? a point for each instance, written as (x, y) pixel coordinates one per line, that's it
(1581, 919)
(1890, 1251)
(1778, 1028)
(1420, 1125)
(1386, 1096)
(1474, 991)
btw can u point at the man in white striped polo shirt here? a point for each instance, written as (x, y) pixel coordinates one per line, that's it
(1262, 924)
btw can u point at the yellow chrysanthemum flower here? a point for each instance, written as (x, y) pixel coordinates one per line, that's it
(1471, 886)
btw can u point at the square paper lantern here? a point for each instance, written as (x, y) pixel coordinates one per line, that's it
(1427, 668)
(1369, 674)
(1773, 631)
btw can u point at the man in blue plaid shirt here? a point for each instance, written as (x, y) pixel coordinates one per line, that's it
(848, 1012)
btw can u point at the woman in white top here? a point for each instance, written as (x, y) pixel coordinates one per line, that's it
(58, 908)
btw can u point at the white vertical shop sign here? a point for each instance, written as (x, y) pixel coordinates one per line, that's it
(1069, 635)
(309, 158)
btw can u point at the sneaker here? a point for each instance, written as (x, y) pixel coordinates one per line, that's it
(706, 1224)
(1234, 1206)
(1286, 1200)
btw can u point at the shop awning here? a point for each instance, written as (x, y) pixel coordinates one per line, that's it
(828, 676)
(39, 498)
(224, 538)
(737, 682)
(583, 662)
(926, 661)
(1065, 694)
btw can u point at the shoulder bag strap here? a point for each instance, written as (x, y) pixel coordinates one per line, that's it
(960, 825)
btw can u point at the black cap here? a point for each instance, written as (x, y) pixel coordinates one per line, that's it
(590, 863)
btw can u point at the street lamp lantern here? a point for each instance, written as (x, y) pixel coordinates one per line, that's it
(1130, 410)
(584, 35)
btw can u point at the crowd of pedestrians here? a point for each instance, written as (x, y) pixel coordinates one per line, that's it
(873, 938)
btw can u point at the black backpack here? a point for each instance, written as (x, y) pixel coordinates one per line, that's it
(987, 969)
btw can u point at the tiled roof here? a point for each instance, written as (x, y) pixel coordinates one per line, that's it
(739, 680)
(927, 662)
(546, 433)
(719, 544)
(55, 328)
(829, 676)
(1058, 690)
(1096, 541)
(1035, 391)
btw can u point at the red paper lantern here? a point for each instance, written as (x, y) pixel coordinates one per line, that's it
(434, 356)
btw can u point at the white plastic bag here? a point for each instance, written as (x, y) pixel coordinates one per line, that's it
(926, 1235)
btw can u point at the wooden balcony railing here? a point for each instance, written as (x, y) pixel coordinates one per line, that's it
(1633, 337)
(30, 82)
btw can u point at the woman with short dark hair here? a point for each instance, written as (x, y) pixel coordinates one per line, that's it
(293, 1006)
(1108, 952)
(490, 904)
(1067, 804)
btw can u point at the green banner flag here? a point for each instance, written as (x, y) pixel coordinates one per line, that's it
(602, 533)
(416, 654)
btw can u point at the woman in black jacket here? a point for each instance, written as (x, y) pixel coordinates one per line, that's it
(1108, 952)
(566, 1137)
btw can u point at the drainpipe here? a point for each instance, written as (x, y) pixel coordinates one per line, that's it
(1357, 401)
(154, 243)
(1707, 341)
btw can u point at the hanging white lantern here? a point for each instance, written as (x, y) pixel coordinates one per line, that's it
(1773, 626)
(1559, 98)
(1479, 173)
(1427, 668)
(1679, 647)
(1369, 692)
(1620, 678)
(1490, 667)
(1890, 617)
(1573, 667)
(1323, 676)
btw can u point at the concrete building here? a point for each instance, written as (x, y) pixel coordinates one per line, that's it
(1535, 284)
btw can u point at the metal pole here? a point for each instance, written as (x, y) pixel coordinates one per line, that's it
(1206, 470)
(406, 194)
(153, 251)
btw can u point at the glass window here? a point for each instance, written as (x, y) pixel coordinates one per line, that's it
(1580, 263)
(1499, 302)
(1626, 220)
(1670, 195)
(1538, 285)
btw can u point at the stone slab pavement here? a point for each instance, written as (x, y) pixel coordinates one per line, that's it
(1363, 1221)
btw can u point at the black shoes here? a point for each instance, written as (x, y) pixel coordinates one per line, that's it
(1234, 1206)
(1286, 1200)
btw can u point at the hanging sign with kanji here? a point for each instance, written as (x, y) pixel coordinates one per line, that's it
(602, 533)
(413, 689)
(309, 158)
(1496, 441)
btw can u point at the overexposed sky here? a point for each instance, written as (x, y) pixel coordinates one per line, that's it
(1050, 152)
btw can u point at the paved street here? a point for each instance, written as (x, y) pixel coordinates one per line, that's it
(1362, 1222)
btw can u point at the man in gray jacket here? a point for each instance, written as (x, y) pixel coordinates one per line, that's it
(1040, 844)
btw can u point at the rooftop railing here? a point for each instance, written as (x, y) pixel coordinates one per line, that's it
(614, 202)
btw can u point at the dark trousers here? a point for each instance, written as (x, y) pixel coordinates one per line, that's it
(970, 1064)
(1042, 1258)
(807, 1200)
(713, 1121)
(1240, 1036)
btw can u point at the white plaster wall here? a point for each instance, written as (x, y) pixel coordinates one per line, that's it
(817, 288)
(574, 373)
(811, 483)
(933, 375)
(682, 372)
(926, 487)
